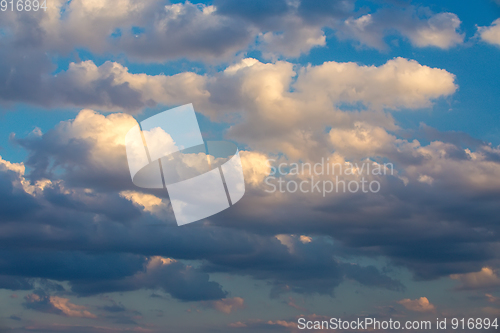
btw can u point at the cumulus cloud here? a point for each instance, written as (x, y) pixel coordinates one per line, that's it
(295, 39)
(91, 147)
(271, 97)
(440, 30)
(107, 87)
(152, 31)
(485, 278)
(421, 304)
(158, 31)
(490, 34)
(288, 117)
(394, 228)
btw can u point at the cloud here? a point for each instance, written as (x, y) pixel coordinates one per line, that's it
(157, 31)
(57, 305)
(153, 31)
(303, 268)
(441, 30)
(95, 274)
(107, 87)
(438, 30)
(15, 283)
(81, 200)
(17, 202)
(112, 87)
(227, 305)
(421, 304)
(86, 182)
(491, 298)
(490, 34)
(295, 39)
(265, 92)
(91, 147)
(91, 187)
(284, 117)
(181, 281)
(484, 279)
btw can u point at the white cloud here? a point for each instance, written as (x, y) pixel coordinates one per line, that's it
(361, 140)
(289, 117)
(491, 34)
(295, 39)
(399, 83)
(439, 30)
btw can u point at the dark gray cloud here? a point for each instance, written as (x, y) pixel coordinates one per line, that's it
(29, 79)
(182, 282)
(433, 231)
(16, 203)
(15, 283)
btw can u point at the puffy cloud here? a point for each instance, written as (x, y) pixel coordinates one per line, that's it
(272, 97)
(158, 31)
(91, 147)
(396, 209)
(485, 278)
(152, 31)
(421, 304)
(439, 30)
(399, 83)
(107, 87)
(295, 39)
(305, 239)
(491, 34)
(149, 202)
(284, 117)
(362, 140)
(255, 166)
(262, 257)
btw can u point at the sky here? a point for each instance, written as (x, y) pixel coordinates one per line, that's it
(408, 87)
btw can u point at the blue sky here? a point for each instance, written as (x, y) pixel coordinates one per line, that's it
(411, 83)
